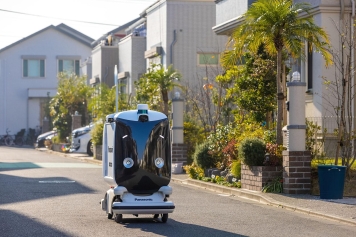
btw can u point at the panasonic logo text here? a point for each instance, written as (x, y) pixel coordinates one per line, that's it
(143, 200)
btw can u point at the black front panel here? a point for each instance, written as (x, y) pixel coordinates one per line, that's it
(143, 142)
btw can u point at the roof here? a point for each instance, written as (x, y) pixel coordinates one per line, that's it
(84, 39)
(122, 27)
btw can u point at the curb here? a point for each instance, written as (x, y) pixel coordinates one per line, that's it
(258, 197)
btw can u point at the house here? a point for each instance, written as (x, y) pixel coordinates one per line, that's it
(179, 34)
(329, 15)
(28, 74)
(167, 32)
(105, 55)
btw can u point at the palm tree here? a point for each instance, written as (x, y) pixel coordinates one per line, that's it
(158, 80)
(280, 27)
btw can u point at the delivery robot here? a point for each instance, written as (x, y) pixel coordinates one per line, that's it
(137, 164)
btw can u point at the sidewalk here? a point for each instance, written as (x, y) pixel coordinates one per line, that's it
(342, 210)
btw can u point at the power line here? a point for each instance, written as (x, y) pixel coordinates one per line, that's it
(28, 14)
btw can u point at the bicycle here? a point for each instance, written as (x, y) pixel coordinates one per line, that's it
(11, 140)
(2, 139)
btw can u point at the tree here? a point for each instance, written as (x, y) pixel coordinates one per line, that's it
(205, 96)
(154, 85)
(281, 27)
(72, 95)
(102, 102)
(253, 86)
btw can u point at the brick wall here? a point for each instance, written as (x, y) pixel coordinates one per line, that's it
(296, 172)
(256, 177)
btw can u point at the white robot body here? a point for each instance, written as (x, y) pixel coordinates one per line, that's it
(137, 163)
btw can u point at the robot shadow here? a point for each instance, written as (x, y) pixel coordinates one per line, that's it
(173, 228)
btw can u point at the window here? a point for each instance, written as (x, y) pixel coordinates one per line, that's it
(310, 69)
(33, 68)
(208, 59)
(69, 66)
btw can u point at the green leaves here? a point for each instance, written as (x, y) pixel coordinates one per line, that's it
(254, 85)
(274, 186)
(278, 25)
(72, 95)
(153, 86)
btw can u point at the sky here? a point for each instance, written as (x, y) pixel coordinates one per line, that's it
(21, 18)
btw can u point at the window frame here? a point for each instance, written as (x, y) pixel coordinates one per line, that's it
(42, 66)
(74, 59)
(217, 55)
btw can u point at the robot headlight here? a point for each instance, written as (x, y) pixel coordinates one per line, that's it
(128, 162)
(159, 162)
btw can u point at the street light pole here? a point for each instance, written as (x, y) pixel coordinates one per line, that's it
(117, 88)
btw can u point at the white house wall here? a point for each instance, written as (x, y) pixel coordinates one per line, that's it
(125, 55)
(14, 88)
(138, 60)
(327, 17)
(229, 9)
(96, 62)
(131, 59)
(193, 22)
(157, 30)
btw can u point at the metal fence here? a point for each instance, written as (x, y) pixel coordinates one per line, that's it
(330, 123)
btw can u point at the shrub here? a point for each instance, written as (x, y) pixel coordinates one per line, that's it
(218, 141)
(269, 136)
(275, 154)
(274, 186)
(193, 171)
(252, 151)
(193, 134)
(236, 168)
(202, 156)
(55, 140)
(97, 133)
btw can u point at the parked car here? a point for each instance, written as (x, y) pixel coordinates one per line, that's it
(40, 141)
(81, 140)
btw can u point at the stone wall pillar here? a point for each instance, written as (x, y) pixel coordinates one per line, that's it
(296, 161)
(76, 121)
(179, 149)
(296, 172)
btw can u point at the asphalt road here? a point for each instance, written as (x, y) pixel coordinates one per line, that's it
(43, 194)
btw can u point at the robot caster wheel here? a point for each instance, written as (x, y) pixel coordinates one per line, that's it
(164, 218)
(118, 218)
(110, 216)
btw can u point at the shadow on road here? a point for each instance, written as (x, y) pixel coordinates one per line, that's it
(173, 228)
(19, 189)
(13, 224)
